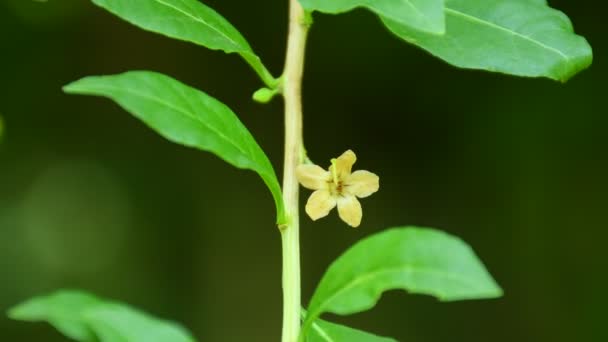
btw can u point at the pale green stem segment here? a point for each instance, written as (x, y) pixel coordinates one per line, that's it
(290, 235)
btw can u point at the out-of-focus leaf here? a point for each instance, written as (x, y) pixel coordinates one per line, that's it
(64, 310)
(114, 322)
(86, 318)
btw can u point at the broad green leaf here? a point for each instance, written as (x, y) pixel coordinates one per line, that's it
(323, 331)
(518, 37)
(191, 21)
(418, 260)
(64, 310)
(86, 318)
(423, 15)
(186, 116)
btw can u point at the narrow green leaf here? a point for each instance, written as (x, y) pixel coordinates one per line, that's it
(64, 310)
(191, 21)
(423, 15)
(119, 323)
(518, 37)
(323, 331)
(86, 318)
(186, 116)
(418, 260)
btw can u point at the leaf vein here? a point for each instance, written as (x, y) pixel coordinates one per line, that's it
(505, 29)
(197, 19)
(322, 333)
(415, 9)
(363, 278)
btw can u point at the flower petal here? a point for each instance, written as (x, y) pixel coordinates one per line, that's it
(362, 183)
(312, 176)
(319, 204)
(350, 210)
(344, 164)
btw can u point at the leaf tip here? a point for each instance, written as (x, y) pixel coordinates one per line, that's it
(27, 310)
(70, 88)
(14, 313)
(492, 291)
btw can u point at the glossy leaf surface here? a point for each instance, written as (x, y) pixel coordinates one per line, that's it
(86, 318)
(518, 37)
(188, 20)
(423, 15)
(186, 116)
(418, 260)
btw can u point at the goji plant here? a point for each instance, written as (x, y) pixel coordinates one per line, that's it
(517, 37)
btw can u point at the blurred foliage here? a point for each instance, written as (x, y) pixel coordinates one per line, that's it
(92, 199)
(1, 128)
(86, 318)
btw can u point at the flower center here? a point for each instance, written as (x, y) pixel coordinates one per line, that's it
(336, 188)
(336, 185)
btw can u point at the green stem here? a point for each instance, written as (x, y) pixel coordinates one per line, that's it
(290, 235)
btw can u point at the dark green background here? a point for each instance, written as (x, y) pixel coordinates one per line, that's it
(90, 198)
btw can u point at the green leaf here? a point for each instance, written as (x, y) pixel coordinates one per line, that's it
(418, 260)
(186, 116)
(423, 15)
(191, 21)
(518, 37)
(64, 310)
(86, 318)
(116, 322)
(323, 331)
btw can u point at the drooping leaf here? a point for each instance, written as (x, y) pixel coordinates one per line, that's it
(422, 15)
(86, 318)
(186, 116)
(323, 331)
(191, 21)
(418, 260)
(518, 37)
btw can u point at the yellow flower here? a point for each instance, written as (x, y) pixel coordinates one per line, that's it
(337, 186)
